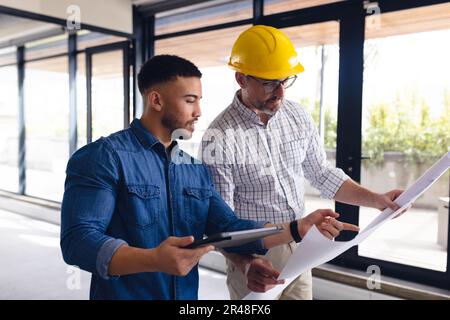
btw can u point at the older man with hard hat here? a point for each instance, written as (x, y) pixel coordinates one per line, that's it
(261, 148)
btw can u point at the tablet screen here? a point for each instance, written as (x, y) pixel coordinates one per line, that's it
(235, 238)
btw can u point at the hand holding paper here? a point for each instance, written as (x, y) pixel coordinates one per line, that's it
(315, 249)
(261, 275)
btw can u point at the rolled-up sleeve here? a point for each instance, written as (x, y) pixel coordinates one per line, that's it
(88, 206)
(222, 219)
(105, 254)
(322, 175)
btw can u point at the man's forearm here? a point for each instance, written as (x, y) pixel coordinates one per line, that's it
(129, 260)
(352, 193)
(279, 238)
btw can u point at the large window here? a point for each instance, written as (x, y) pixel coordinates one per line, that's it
(46, 120)
(107, 93)
(9, 129)
(46, 102)
(406, 117)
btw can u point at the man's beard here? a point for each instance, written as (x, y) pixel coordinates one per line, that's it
(263, 106)
(177, 129)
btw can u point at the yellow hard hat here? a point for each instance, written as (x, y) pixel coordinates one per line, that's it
(264, 52)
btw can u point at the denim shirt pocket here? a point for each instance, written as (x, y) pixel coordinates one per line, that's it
(143, 205)
(196, 204)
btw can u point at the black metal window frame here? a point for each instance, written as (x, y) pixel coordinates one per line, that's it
(351, 16)
(71, 53)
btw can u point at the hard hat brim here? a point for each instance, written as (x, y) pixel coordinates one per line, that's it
(270, 75)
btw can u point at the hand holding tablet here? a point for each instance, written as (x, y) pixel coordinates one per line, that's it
(235, 238)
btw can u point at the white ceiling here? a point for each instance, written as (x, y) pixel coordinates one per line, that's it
(13, 28)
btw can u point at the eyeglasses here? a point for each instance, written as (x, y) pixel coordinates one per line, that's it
(271, 85)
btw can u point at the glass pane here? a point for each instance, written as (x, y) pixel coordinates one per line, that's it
(210, 52)
(318, 49)
(195, 17)
(9, 146)
(47, 127)
(107, 93)
(276, 6)
(406, 116)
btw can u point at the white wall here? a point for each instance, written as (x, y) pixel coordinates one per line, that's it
(110, 14)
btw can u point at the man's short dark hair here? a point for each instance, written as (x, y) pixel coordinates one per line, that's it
(164, 68)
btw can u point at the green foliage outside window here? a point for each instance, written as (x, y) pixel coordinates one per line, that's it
(405, 125)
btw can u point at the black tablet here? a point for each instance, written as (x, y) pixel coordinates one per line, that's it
(235, 238)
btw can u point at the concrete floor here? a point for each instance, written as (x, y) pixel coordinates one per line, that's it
(32, 266)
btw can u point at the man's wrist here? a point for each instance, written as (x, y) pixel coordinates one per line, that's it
(295, 230)
(150, 260)
(374, 199)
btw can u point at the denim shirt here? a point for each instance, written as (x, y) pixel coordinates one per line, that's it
(126, 189)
